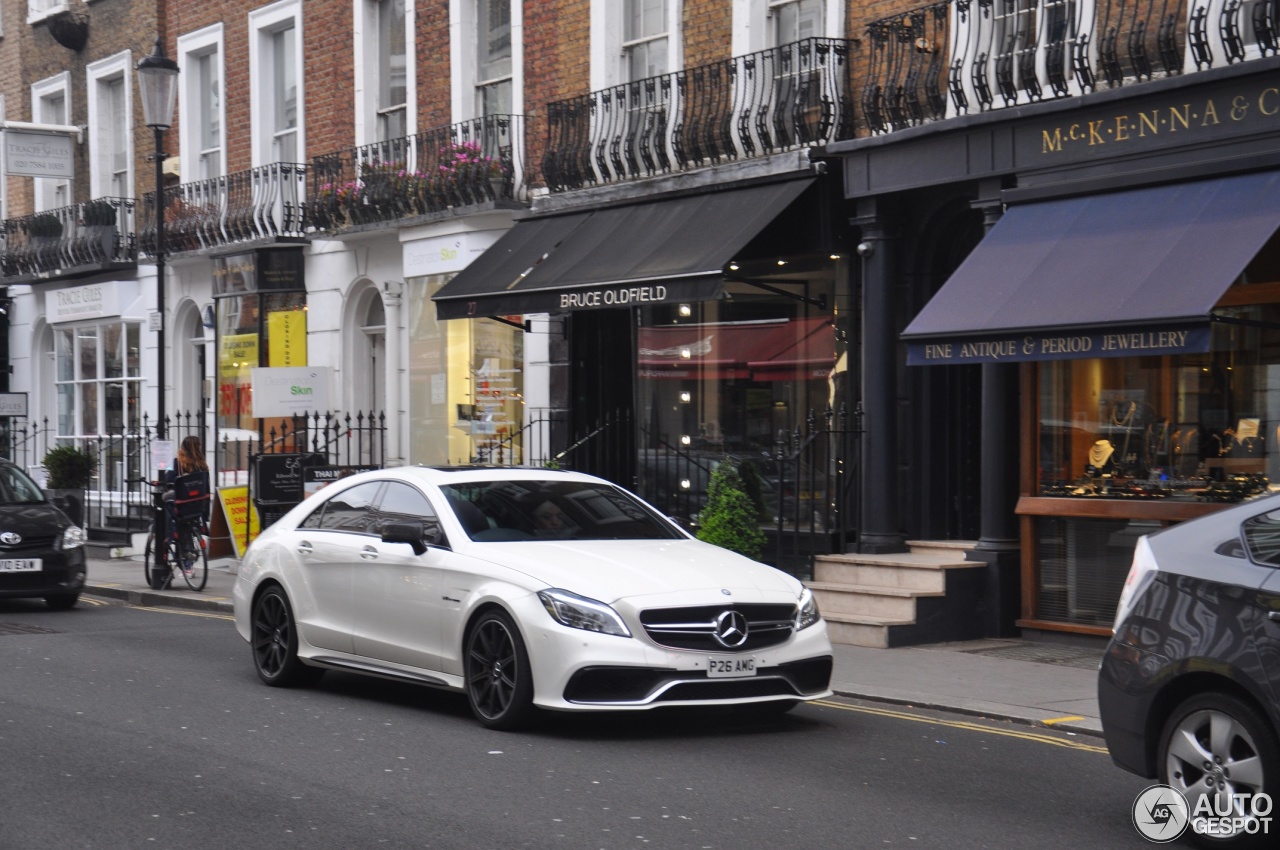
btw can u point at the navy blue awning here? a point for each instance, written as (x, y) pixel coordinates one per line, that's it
(1125, 273)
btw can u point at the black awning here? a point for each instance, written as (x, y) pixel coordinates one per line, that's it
(1127, 273)
(664, 251)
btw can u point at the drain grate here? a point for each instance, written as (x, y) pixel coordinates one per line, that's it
(1086, 658)
(24, 629)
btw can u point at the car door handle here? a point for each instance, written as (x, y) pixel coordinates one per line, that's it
(304, 548)
(1274, 615)
(368, 553)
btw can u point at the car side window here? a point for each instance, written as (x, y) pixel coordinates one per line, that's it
(1262, 537)
(402, 502)
(352, 510)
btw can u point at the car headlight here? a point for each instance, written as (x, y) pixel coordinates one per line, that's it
(73, 537)
(579, 612)
(806, 610)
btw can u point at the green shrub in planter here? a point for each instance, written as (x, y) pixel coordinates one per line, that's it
(69, 468)
(730, 518)
(98, 213)
(45, 225)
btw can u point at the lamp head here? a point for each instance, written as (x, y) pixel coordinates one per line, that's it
(158, 82)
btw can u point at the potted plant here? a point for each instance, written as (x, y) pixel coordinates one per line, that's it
(44, 226)
(99, 219)
(70, 470)
(730, 518)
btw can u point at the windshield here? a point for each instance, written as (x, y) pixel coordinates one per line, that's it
(553, 510)
(17, 489)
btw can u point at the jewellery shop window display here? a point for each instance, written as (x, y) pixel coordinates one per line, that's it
(1127, 445)
(1199, 427)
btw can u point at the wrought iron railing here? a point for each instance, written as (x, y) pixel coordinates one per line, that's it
(79, 237)
(959, 56)
(259, 204)
(793, 96)
(472, 162)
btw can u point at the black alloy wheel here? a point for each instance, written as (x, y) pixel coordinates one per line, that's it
(499, 682)
(274, 639)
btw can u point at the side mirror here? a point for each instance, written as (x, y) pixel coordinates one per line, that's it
(417, 533)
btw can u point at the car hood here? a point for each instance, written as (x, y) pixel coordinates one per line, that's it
(609, 570)
(32, 519)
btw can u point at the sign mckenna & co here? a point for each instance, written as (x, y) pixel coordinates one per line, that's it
(1238, 108)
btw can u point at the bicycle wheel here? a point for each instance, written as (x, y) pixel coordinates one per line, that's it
(193, 556)
(157, 578)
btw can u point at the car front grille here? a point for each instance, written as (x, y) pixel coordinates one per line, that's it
(36, 543)
(695, 628)
(638, 684)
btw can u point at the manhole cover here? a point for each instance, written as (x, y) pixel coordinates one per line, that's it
(24, 629)
(1067, 656)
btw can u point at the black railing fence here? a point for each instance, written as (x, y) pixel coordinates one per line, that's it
(117, 499)
(430, 172)
(958, 56)
(90, 234)
(258, 204)
(336, 439)
(787, 97)
(804, 486)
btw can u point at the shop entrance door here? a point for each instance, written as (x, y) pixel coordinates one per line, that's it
(602, 389)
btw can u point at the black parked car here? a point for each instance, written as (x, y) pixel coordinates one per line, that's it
(41, 549)
(1189, 689)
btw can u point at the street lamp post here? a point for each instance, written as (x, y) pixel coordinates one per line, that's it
(158, 82)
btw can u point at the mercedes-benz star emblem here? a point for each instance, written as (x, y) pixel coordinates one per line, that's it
(12, 538)
(731, 629)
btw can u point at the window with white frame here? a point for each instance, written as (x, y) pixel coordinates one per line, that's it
(201, 103)
(493, 57)
(276, 82)
(110, 143)
(51, 104)
(284, 95)
(794, 20)
(39, 9)
(98, 378)
(644, 45)
(392, 63)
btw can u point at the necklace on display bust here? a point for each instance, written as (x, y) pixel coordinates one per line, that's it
(1122, 413)
(1100, 452)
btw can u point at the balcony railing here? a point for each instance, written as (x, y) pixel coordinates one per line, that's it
(959, 56)
(794, 96)
(260, 204)
(458, 165)
(76, 239)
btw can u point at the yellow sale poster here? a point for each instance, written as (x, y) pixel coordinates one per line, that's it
(242, 517)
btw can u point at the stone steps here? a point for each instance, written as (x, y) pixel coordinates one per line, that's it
(875, 600)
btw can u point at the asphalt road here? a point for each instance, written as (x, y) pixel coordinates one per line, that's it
(124, 727)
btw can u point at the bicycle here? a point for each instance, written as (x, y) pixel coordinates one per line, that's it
(185, 547)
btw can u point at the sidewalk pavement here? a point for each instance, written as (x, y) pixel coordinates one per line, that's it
(1047, 685)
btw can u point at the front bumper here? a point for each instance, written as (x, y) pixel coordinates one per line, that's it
(575, 670)
(63, 574)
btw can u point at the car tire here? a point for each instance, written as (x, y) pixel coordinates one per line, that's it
(1202, 739)
(274, 642)
(62, 601)
(499, 681)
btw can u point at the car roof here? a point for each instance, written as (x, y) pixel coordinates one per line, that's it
(1210, 530)
(445, 475)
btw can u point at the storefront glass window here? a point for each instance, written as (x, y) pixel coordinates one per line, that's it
(466, 385)
(730, 379)
(1192, 428)
(98, 388)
